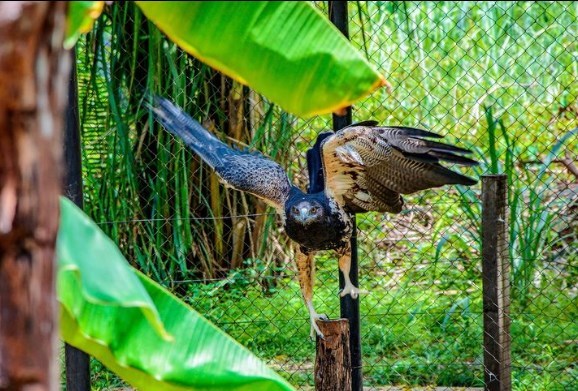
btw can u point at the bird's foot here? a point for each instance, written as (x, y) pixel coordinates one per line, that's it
(351, 290)
(314, 327)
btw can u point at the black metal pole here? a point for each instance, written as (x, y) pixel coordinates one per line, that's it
(77, 362)
(349, 307)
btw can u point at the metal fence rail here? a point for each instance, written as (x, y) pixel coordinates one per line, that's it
(498, 77)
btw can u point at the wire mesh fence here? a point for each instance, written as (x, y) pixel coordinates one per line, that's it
(496, 77)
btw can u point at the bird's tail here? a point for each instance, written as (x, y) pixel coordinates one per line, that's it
(193, 134)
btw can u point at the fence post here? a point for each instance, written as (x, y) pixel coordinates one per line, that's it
(333, 358)
(349, 307)
(496, 283)
(77, 362)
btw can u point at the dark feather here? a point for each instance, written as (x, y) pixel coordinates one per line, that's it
(369, 123)
(244, 171)
(419, 157)
(434, 156)
(371, 167)
(452, 158)
(414, 132)
(314, 165)
(437, 146)
(193, 134)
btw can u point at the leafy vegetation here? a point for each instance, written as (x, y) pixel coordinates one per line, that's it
(139, 181)
(113, 322)
(448, 62)
(532, 209)
(136, 327)
(411, 336)
(284, 50)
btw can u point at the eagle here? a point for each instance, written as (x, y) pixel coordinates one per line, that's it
(364, 167)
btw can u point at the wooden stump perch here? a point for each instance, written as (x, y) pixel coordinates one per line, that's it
(333, 358)
(496, 283)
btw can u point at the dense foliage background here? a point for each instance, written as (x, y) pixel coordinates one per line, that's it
(497, 77)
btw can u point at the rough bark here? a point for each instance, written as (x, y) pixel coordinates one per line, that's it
(496, 284)
(33, 88)
(333, 358)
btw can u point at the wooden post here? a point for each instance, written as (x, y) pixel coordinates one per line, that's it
(496, 283)
(333, 359)
(33, 73)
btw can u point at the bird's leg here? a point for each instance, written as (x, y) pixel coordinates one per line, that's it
(345, 267)
(306, 269)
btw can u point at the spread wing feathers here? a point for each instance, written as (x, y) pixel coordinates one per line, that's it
(368, 168)
(249, 172)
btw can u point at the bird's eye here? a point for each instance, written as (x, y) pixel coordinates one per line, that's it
(315, 209)
(294, 209)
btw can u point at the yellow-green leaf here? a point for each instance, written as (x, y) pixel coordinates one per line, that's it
(80, 18)
(287, 51)
(136, 327)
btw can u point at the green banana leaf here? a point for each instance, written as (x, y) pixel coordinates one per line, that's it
(288, 51)
(80, 18)
(137, 328)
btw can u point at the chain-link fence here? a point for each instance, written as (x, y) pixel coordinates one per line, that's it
(496, 77)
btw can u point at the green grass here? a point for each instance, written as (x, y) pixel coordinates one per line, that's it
(447, 62)
(413, 333)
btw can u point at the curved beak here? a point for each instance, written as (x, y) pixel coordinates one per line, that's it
(304, 217)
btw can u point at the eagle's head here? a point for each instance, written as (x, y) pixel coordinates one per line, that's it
(315, 221)
(306, 212)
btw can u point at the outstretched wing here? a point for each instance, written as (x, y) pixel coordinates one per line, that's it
(249, 172)
(367, 168)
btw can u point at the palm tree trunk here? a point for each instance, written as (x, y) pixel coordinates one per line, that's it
(33, 74)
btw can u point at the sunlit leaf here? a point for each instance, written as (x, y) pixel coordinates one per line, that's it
(136, 327)
(92, 264)
(287, 51)
(80, 18)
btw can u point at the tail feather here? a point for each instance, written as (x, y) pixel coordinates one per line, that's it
(193, 134)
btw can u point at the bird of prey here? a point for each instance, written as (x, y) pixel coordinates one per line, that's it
(365, 168)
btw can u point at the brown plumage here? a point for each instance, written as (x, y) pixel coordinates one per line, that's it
(364, 167)
(367, 168)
